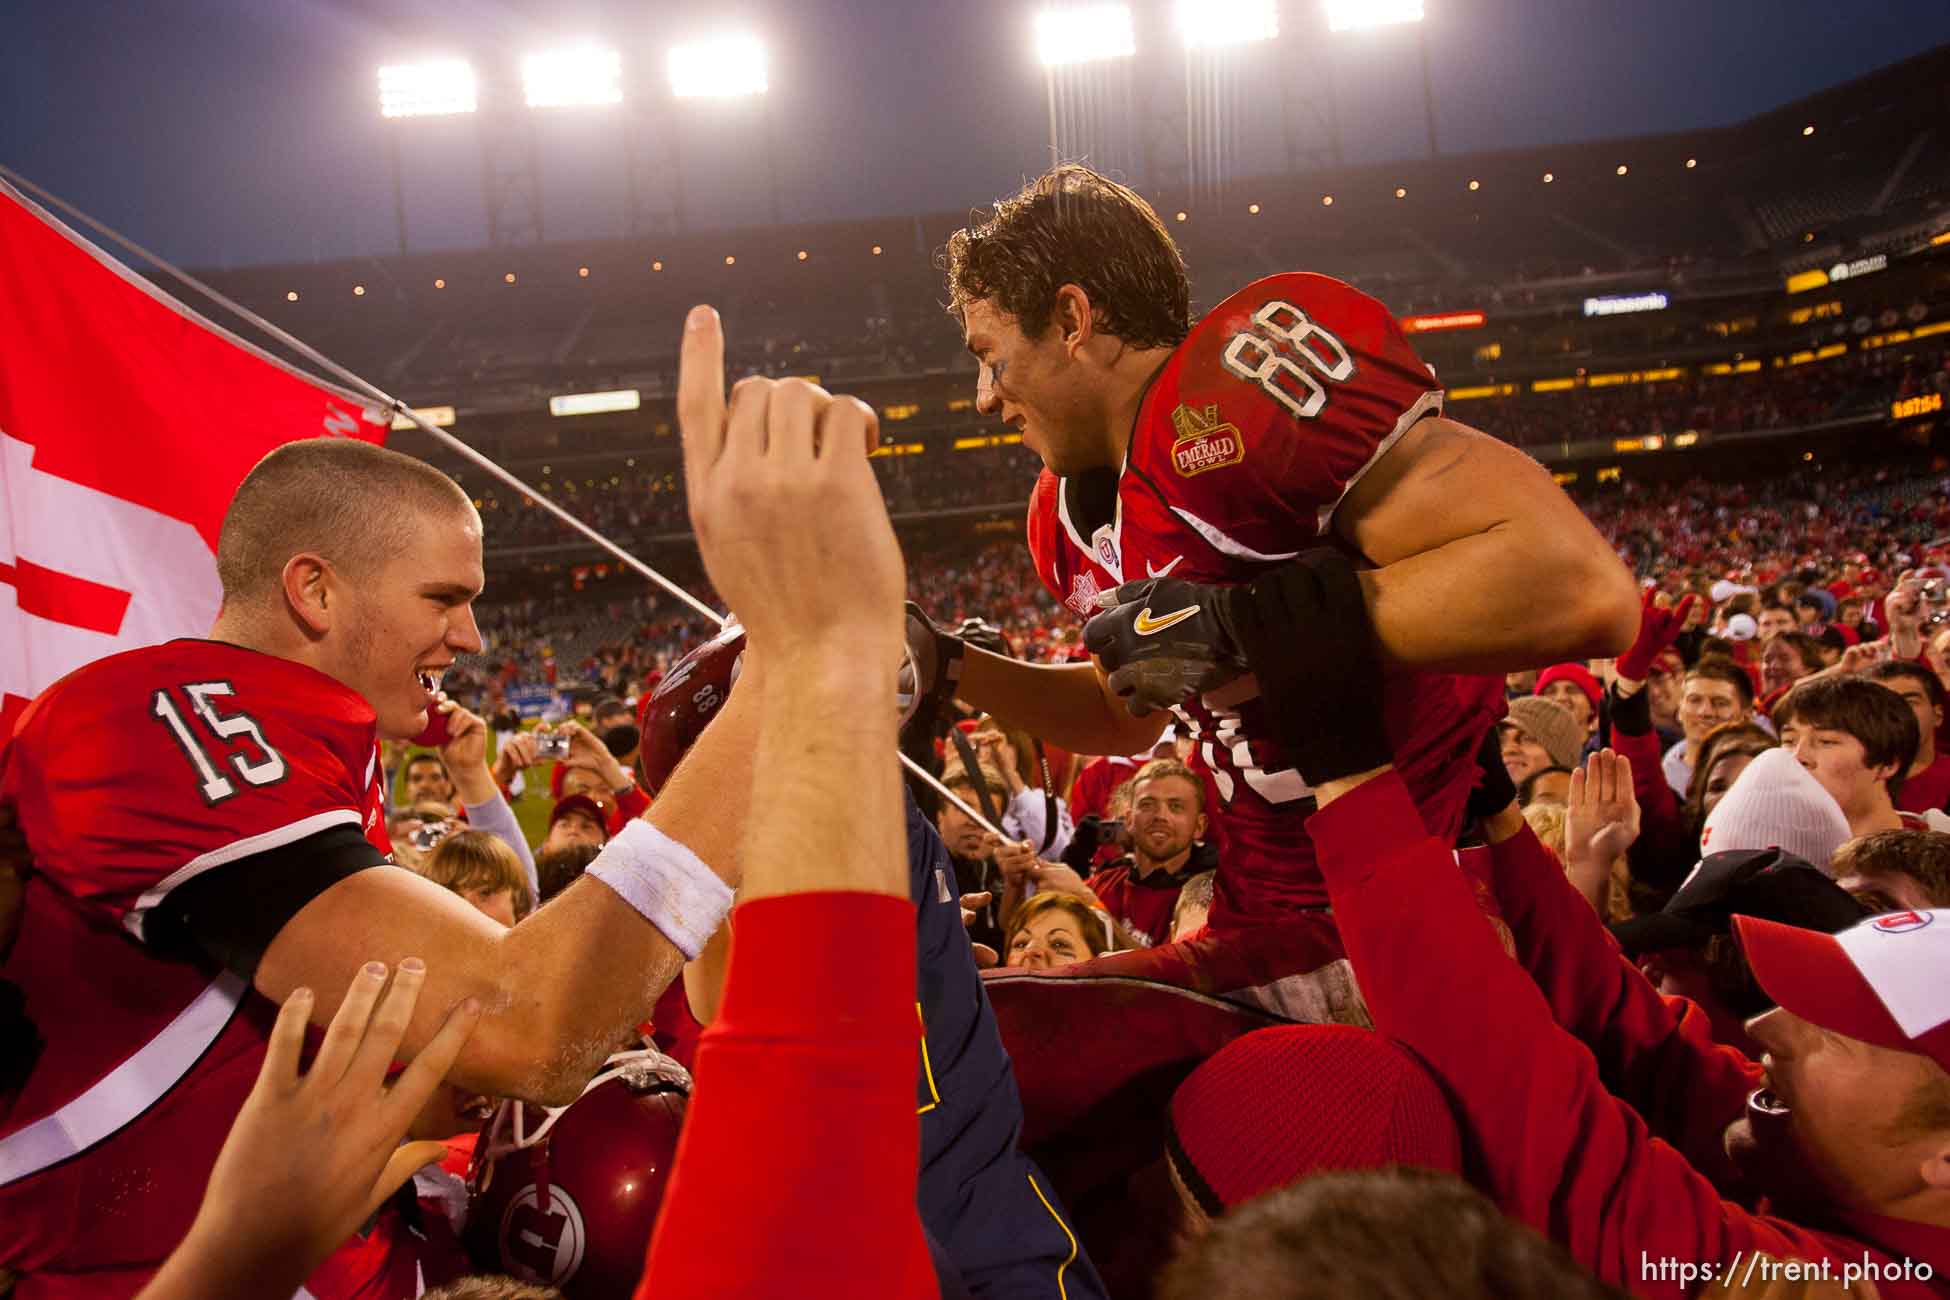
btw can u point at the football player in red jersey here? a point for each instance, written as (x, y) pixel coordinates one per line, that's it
(205, 826)
(1188, 471)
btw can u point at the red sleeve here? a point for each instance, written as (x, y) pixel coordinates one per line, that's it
(629, 805)
(1283, 397)
(145, 770)
(1654, 1052)
(1087, 796)
(796, 1171)
(1544, 1138)
(1664, 849)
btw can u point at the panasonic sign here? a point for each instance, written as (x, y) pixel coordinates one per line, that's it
(1621, 304)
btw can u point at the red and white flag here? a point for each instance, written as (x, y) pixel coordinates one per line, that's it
(126, 423)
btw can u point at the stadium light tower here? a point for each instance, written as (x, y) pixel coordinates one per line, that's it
(1353, 15)
(1087, 34)
(731, 65)
(437, 88)
(1205, 25)
(1086, 51)
(572, 77)
(726, 67)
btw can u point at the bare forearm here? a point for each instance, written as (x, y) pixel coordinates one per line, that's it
(828, 779)
(1589, 877)
(1499, 601)
(705, 806)
(581, 1006)
(1065, 704)
(559, 989)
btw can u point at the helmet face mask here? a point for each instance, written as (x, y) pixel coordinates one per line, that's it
(567, 1196)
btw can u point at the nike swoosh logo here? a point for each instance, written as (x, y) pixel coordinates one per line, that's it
(1146, 625)
(1150, 572)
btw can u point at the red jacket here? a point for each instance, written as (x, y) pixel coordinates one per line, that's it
(1664, 851)
(1526, 1059)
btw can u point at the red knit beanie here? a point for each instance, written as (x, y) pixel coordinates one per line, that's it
(1578, 675)
(1279, 1104)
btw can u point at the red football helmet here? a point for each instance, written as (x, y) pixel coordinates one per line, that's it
(671, 718)
(568, 1197)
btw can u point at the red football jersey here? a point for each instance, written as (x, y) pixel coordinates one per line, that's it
(1263, 418)
(1144, 906)
(132, 776)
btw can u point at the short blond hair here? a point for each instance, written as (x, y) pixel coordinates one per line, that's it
(354, 503)
(479, 860)
(1159, 769)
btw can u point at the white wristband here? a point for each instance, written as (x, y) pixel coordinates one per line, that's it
(667, 884)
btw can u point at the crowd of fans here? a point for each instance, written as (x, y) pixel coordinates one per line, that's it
(637, 505)
(1688, 535)
(1772, 746)
(1361, 977)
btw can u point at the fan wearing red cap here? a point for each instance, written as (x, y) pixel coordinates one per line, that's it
(1573, 688)
(1856, 1108)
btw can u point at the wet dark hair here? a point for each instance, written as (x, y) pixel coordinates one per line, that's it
(1074, 226)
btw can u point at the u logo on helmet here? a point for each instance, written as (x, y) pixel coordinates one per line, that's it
(1902, 922)
(541, 1244)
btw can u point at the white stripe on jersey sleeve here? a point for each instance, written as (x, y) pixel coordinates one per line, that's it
(290, 833)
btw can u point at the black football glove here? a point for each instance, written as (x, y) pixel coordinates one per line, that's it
(1164, 640)
(1305, 631)
(929, 674)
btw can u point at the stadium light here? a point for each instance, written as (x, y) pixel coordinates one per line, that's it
(724, 67)
(572, 77)
(1084, 35)
(437, 89)
(1350, 15)
(1237, 22)
(615, 399)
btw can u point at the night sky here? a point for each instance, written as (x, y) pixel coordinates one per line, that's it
(225, 132)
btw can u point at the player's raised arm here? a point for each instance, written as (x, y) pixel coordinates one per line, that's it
(811, 1059)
